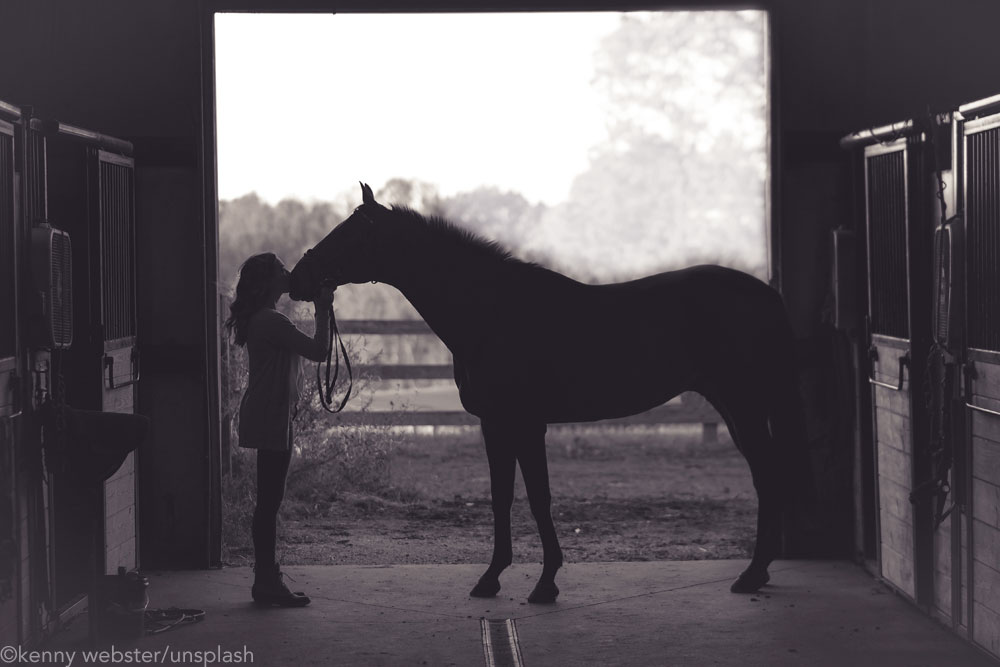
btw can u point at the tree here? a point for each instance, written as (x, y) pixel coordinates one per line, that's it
(248, 226)
(696, 79)
(417, 195)
(681, 178)
(502, 216)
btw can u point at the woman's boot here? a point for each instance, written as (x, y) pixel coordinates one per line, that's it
(269, 589)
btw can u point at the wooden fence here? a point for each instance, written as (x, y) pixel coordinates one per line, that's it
(690, 409)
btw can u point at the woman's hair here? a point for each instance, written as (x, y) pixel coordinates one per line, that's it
(252, 291)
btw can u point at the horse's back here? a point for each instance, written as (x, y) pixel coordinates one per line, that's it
(726, 302)
(690, 307)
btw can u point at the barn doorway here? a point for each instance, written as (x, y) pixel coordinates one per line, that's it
(603, 145)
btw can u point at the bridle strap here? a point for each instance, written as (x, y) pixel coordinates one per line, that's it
(326, 388)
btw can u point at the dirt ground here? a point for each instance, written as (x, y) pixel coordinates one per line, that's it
(617, 496)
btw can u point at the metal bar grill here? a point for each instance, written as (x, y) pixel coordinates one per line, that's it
(943, 283)
(36, 181)
(983, 224)
(887, 254)
(117, 256)
(8, 315)
(61, 294)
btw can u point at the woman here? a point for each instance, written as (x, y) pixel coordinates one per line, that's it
(269, 404)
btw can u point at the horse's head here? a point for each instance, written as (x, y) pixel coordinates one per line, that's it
(345, 255)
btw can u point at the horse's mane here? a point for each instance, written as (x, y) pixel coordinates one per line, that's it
(446, 233)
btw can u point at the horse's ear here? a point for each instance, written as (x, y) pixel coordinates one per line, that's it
(367, 196)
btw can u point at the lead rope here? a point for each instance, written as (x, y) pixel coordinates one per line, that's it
(326, 388)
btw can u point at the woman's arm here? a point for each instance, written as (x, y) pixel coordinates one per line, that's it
(285, 334)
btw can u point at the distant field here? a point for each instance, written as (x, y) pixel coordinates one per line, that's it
(439, 395)
(407, 395)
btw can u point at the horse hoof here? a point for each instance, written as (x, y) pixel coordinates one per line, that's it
(544, 594)
(486, 588)
(749, 581)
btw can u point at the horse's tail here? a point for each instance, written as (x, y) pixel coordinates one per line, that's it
(786, 417)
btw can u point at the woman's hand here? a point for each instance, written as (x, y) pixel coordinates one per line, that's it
(325, 299)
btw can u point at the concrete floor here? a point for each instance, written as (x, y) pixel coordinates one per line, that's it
(664, 613)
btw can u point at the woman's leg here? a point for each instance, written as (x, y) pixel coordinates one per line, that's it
(269, 587)
(272, 469)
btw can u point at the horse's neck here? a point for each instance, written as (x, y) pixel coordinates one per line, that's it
(441, 314)
(441, 294)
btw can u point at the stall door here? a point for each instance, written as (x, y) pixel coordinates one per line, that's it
(898, 274)
(10, 387)
(9, 382)
(981, 187)
(115, 218)
(91, 195)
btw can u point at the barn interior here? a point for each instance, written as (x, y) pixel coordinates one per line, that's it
(883, 219)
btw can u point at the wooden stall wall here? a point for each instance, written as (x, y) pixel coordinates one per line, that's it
(980, 132)
(8, 538)
(894, 445)
(898, 322)
(916, 305)
(985, 517)
(9, 378)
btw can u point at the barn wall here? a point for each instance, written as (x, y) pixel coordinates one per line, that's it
(841, 67)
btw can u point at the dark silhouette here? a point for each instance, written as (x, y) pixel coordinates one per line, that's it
(532, 347)
(270, 403)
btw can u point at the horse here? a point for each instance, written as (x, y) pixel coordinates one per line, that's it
(532, 347)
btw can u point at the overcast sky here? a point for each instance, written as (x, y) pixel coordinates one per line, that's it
(308, 105)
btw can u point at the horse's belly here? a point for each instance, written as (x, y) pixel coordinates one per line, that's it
(605, 370)
(583, 398)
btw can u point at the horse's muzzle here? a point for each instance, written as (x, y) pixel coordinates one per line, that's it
(300, 287)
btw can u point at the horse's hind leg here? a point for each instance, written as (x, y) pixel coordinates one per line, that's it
(753, 438)
(534, 470)
(500, 452)
(768, 541)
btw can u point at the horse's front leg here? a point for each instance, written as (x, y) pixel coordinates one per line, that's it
(500, 452)
(534, 470)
